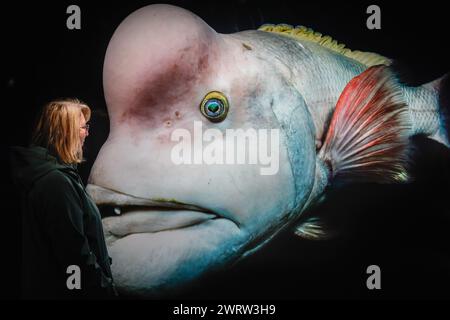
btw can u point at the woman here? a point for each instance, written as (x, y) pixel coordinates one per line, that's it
(63, 247)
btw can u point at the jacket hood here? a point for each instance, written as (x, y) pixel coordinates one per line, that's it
(28, 164)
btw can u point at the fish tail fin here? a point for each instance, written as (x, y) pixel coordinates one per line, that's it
(442, 85)
(368, 136)
(429, 106)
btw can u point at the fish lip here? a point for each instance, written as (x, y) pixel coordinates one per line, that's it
(109, 197)
(174, 225)
(106, 196)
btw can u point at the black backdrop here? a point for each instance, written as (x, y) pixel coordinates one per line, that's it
(403, 229)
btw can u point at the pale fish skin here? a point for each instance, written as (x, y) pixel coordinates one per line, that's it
(160, 63)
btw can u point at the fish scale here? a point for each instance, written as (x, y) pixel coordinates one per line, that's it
(423, 108)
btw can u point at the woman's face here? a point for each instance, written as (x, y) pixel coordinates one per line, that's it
(84, 129)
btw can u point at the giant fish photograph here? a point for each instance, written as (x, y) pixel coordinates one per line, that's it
(231, 150)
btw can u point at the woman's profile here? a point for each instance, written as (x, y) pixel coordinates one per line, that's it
(64, 254)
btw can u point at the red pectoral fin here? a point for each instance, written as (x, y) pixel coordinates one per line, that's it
(368, 136)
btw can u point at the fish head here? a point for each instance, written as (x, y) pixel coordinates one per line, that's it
(168, 75)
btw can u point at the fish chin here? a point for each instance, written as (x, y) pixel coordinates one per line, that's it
(155, 264)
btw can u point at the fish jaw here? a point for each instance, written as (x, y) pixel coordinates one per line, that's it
(159, 246)
(158, 263)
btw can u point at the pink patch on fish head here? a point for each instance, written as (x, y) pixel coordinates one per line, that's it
(152, 69)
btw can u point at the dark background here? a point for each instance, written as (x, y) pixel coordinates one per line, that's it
(405, 229)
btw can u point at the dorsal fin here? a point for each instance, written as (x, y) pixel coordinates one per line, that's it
(303, 33)
(368, 136)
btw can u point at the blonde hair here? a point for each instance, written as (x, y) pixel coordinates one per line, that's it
(58, 129)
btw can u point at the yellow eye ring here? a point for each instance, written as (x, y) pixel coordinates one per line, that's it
(215, 106)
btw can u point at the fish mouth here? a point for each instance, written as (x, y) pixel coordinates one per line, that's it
(124, 214)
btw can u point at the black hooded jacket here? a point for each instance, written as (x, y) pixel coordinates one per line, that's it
(61, 227)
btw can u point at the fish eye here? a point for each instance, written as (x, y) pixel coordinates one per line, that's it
(214, 106)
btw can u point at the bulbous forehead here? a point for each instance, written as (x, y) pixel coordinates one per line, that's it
(155, 57)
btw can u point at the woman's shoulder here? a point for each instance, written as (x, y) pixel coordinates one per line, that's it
(54, 176)
(57, 186)
(55, 180)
